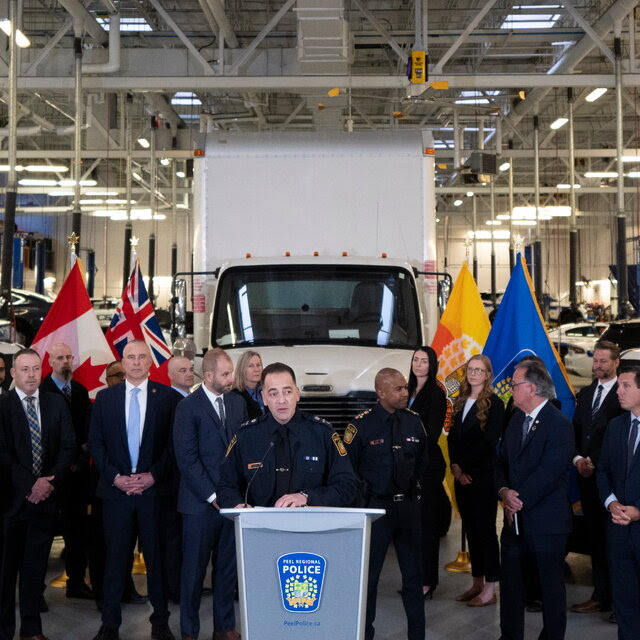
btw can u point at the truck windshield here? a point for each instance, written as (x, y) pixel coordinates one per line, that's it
(324, 304)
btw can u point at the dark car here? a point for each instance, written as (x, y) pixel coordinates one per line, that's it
(29, 310)
(624, 333)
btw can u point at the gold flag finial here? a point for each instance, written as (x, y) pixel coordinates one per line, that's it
(73, 240)
(134, 242)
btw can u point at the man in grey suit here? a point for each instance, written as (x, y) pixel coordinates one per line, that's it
(204, 424)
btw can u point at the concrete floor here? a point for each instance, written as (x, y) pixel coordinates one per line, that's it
(446, 618)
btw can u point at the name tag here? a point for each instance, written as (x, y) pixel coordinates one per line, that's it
(254, 465)
(374, 442)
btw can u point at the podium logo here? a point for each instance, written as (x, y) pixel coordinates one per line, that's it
(301, 577)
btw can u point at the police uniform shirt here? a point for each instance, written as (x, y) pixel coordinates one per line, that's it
(369, 439)
(319, 464)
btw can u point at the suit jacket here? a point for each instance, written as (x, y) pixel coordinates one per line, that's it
(108, 438)
(611, 474)
(200, 442)
(79, 407)
(431, 405)
(539, 470)
(590, 434)
(58, 445)
(471, 447)
(253, 408)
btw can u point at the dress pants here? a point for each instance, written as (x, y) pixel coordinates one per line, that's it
(432, 513)
(170, 544)
(207, 537)
(27, 542)
(624, 561)
(400, 525)
(478, 508)
(75, 526)
(596, 517)
(547, 553)
(120, 520)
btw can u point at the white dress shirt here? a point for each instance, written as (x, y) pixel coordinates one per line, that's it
(36, 394)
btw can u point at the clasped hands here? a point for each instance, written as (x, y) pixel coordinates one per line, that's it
(623, 514)
(135, 484)
(41, 490)
(511, 502)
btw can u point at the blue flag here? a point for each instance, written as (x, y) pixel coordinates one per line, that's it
(518, 330)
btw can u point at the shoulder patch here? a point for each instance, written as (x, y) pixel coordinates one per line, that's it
(231, 445)
(338, 443)
(364, 413)
(411, 411)
(350, 433)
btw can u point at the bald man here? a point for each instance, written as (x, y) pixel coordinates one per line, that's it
(181, 375)
(75, 491)
(130, 441)
(388, 449)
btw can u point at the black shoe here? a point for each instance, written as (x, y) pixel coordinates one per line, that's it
(107, 633)
(81, 591)
(134, 598)
(535, 606)
(429, 594)
(612, 619)
(44, 607)
(161, 632)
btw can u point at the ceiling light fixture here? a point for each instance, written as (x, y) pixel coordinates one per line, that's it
(504, 166)
(595, 94)
(144, 143)
(53, 168)
(560, 122)
(21, 40)
(601, 174)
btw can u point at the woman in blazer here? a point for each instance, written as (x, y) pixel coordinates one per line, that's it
(247, 382)
(429, 400)
(476, 429)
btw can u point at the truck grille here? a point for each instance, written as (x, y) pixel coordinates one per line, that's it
(337, 410)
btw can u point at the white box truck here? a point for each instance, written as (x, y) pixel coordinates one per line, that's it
(310, 248)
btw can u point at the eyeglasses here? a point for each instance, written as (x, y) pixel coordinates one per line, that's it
(475, 370)
(513, 385)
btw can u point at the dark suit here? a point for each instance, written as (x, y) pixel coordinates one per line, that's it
(538, 470)
(75, 493)
(28, 528)
(431, 405)
(589, 434)
(200, 442)
(473, 449)
(623, 541)
(110, 452)
(254, 410)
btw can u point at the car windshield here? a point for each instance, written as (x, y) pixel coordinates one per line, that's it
(626, 336)
(324, 304)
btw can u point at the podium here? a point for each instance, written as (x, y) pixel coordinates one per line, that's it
(302, 572)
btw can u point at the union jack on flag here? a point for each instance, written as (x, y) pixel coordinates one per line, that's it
(135, 319)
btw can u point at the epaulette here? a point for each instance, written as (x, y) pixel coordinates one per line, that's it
(364, 413)
(412, 411)
(319, 419)
(254, 421)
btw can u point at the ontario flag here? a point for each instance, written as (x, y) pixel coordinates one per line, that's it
(135, 319)
(72, 320)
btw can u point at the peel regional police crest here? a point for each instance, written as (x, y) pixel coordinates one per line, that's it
(301, 577)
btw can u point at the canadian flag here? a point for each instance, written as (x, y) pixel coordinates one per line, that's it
(73, 321)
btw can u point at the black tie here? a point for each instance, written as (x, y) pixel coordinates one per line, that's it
(596, 402)
(283, 462)
(401, 468)
(631, 445)
(525, 429)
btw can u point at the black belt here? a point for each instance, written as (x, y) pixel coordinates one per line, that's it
(396, 497)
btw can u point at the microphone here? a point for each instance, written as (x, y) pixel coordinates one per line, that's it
(246, 493)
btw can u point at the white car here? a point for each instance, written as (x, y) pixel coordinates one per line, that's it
(578, 337)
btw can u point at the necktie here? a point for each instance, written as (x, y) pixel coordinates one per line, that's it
(221, 413)
(36, 436)
(283, 462)
(66, 390)
(401, 467)
(596, 402)
(525, 429)
(133, 428)
(631, 445)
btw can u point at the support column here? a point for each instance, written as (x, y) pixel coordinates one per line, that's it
(493, 243)
(621, 218)
(573, 231)
(512, 250)
(537, 244)
(76, 213)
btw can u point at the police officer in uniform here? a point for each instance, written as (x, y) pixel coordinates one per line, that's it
(285, 458)
(387, 447)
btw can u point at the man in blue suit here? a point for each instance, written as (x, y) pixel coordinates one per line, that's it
(532, 476)
(204, 425)
(130, 442)
(618, 478)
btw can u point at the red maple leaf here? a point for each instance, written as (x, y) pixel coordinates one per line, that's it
(88, 375)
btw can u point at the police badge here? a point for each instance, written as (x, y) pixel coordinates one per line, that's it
(301, 577)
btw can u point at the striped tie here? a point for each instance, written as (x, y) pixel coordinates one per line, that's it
(66, 390)
(596, 402)
(36, 436)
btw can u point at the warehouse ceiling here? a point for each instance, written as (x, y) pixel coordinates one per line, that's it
(192, 66)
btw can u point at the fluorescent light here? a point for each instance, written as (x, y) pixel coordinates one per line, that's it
(595, 94)
(21, 40)
(457, 203)
(92, 201)
(560, 122)
(469, 194)
(568, 186)
(143, 142)
(117, 201)
(181, 205)
(633, 174)
(165, 162)
(472, 101)
(494, 222)
(159, 216)
(503, 216)
(136, 176)
(180, 174)
(504, 166)
(72, 183)
(5, 167)
(524, 223)
(53, 168)
(601, 174)
(630, 158)
(34, 182)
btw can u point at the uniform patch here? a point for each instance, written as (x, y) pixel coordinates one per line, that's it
(364, 413)
(350, 434)
(231, 445)
(339, 444)
(373, 442)
(310, 458)
(254, 465)
(412, 439)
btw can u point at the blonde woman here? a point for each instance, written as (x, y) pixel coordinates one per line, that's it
(247, 382)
